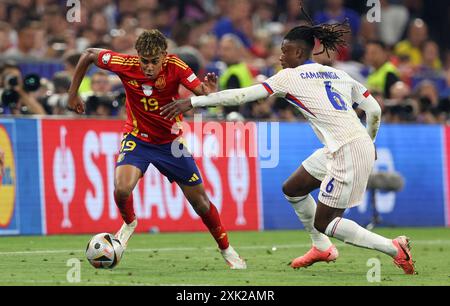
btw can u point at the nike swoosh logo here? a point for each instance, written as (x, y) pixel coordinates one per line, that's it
(406, 253)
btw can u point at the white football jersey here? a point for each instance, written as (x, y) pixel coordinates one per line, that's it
(325, 96)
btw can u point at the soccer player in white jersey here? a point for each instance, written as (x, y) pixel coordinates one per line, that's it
(341, 169)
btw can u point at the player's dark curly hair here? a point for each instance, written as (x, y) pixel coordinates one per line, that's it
(151, 43)
(329, 35)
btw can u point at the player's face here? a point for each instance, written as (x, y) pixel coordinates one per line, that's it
(151, 65)
(290, 54)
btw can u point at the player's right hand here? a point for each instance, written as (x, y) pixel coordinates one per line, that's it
(76, 104)
(175, 108)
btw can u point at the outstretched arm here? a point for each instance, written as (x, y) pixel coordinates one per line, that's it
(225, 97)
(89, 56)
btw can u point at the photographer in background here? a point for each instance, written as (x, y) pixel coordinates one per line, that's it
(101, 101)
(401, 107)
(56, 104)
(15, 92)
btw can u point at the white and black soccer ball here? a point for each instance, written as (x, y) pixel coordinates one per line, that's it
(104, 251)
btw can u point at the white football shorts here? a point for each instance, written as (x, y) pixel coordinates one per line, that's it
(344, 173)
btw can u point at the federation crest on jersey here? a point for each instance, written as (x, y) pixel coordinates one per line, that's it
(148, 90)
(106, 58)
(160, 83)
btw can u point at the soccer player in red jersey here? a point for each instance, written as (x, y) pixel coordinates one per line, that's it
(151, 80)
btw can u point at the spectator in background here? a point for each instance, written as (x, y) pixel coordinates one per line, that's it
(5, 37)
(145, 19)
(384, 73)
(261, 110)
(428, 70)
(428, 99)
(237, 73)
(99, 24)
(164, 18)
(394, 19)
(400, 107)
(26, 41)
(56, 104)
(102, 101)
(101, 85)
(291, 16)
(208, 47)
(54, 21)
(335, 12)
(410, 48)
(122, 41)
(70, 63)
(238, 13)
(430, 56)
(264, 14)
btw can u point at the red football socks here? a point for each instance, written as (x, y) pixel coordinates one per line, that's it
(126, 208)
(212, 220)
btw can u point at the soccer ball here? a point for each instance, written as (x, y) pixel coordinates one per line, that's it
(104, 251)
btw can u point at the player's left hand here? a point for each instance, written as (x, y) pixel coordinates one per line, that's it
(173, 109)
(209, 84)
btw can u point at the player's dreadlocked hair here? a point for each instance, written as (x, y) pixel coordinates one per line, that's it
(329, 35)
(151, 43)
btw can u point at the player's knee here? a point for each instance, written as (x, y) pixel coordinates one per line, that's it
(123, 191)
(289, 191)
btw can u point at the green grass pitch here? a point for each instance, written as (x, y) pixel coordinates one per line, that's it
(192, 259)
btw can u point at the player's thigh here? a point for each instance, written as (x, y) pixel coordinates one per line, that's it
(131, 164)
(126, 178)
(347, 175)
(308, 176)
(181, 168)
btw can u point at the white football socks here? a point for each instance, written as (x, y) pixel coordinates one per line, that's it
(350, 232)
(305, 208)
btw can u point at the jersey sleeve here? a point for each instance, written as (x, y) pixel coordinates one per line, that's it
(359, 92)
(278, 84)
(116, 62)
(185, 74)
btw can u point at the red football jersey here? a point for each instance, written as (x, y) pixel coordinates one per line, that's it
(145, 97)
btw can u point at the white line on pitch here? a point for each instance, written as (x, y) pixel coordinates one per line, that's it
(248, 247)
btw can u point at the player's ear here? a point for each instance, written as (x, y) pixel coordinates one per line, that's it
(299, 52)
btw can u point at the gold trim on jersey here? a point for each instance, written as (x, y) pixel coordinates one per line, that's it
(131, 61)
(178, 62)
(135, 131)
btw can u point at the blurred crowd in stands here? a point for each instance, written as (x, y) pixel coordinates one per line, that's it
(404, 59)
